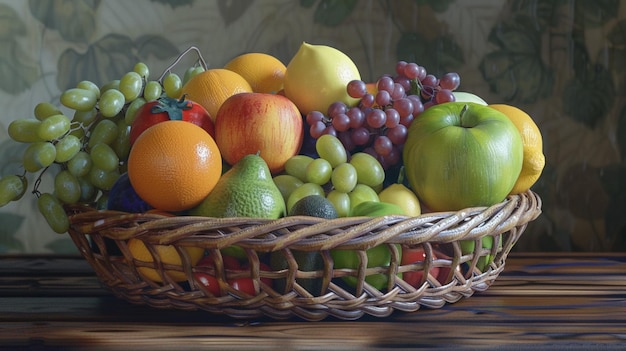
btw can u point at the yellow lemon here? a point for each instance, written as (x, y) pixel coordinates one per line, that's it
(264, 72)
(402, 196)
(534, 159)
(317, 76)
(167, 255)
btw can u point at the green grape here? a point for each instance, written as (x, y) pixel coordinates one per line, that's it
(89, 85)
(121, 144)
(172, 85)
(85, 117)
(305, 189)
(66, 187)
(344, 177)
(111, 103)
(52, 210)
(25, 130)
(286, 184)
(331, 149)
(192, 72)
(104, 132)
(369, 171)
(362, 193)
(87, 190)
(114, 84)
(341, 202)
(197, 70)
(142, 69)
(297, 165)
(12, 188)
(67, 148)
(79, 99)
(53, 127)
(38, 155)
(80, 164)
(132, 108)
(104, 157)
(102, 179)
(152, 90)
(319, 171)
(130, 85)
(44, 110)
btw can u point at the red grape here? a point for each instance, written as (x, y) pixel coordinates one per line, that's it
(356, 88)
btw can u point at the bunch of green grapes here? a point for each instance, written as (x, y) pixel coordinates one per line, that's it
(344, 182)
(89, 145)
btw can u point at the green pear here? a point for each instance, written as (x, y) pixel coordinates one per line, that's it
(245, 190)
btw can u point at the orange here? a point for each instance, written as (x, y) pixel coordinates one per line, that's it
(167, 254)
(534, 159)
(264, 72)
(213, 86)
(173, 165)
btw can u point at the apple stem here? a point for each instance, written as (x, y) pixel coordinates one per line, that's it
(463, 110)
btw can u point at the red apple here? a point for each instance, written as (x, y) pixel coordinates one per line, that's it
(250, 123)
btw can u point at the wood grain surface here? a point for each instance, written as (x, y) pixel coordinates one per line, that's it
(541, 301)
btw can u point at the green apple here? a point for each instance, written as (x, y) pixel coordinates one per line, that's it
(463, 96)
(459, 155)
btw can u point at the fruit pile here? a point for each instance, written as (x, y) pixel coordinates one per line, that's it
(257, 138)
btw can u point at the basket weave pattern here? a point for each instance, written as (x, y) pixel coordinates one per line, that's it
(102, 238)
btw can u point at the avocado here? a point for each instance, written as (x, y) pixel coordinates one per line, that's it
(315, 206)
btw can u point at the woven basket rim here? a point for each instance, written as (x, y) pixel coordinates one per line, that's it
(434, 232)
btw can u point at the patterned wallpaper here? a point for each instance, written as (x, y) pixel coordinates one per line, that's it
(562, 61)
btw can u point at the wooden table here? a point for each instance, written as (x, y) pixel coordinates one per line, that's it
(541, 301)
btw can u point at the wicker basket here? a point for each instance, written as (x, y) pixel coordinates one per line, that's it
(102, 238)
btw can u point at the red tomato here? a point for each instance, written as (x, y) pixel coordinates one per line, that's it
(165, 109)
(209, 281)
(231, 263)
(415, 255)
(246, 285)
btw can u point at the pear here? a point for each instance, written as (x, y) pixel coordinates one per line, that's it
(245, 190)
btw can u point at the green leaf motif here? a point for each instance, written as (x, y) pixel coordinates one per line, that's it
(232, 10)
(307, 4)
(19, 71)
(612, 179)
(621, 134)
(74, 19)
(10, 224)
(543, 13)
(331, 13)
(595, 13)
(439, 56)
(516, 71)
(438, 6)
(174, 3)
(155, 45)
(109, 58)
(589, 96)
(63, 246)
(617, 47)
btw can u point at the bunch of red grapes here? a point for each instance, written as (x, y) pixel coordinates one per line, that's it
(379, 123)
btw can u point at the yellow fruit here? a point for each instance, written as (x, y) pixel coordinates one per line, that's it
(317, 76)
(167, 255)
(402, 196)
(534, 159)
(264, 72)
(213, 86)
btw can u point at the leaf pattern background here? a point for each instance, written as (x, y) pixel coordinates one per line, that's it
(561, 61)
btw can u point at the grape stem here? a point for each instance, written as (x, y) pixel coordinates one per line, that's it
(201, 61)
